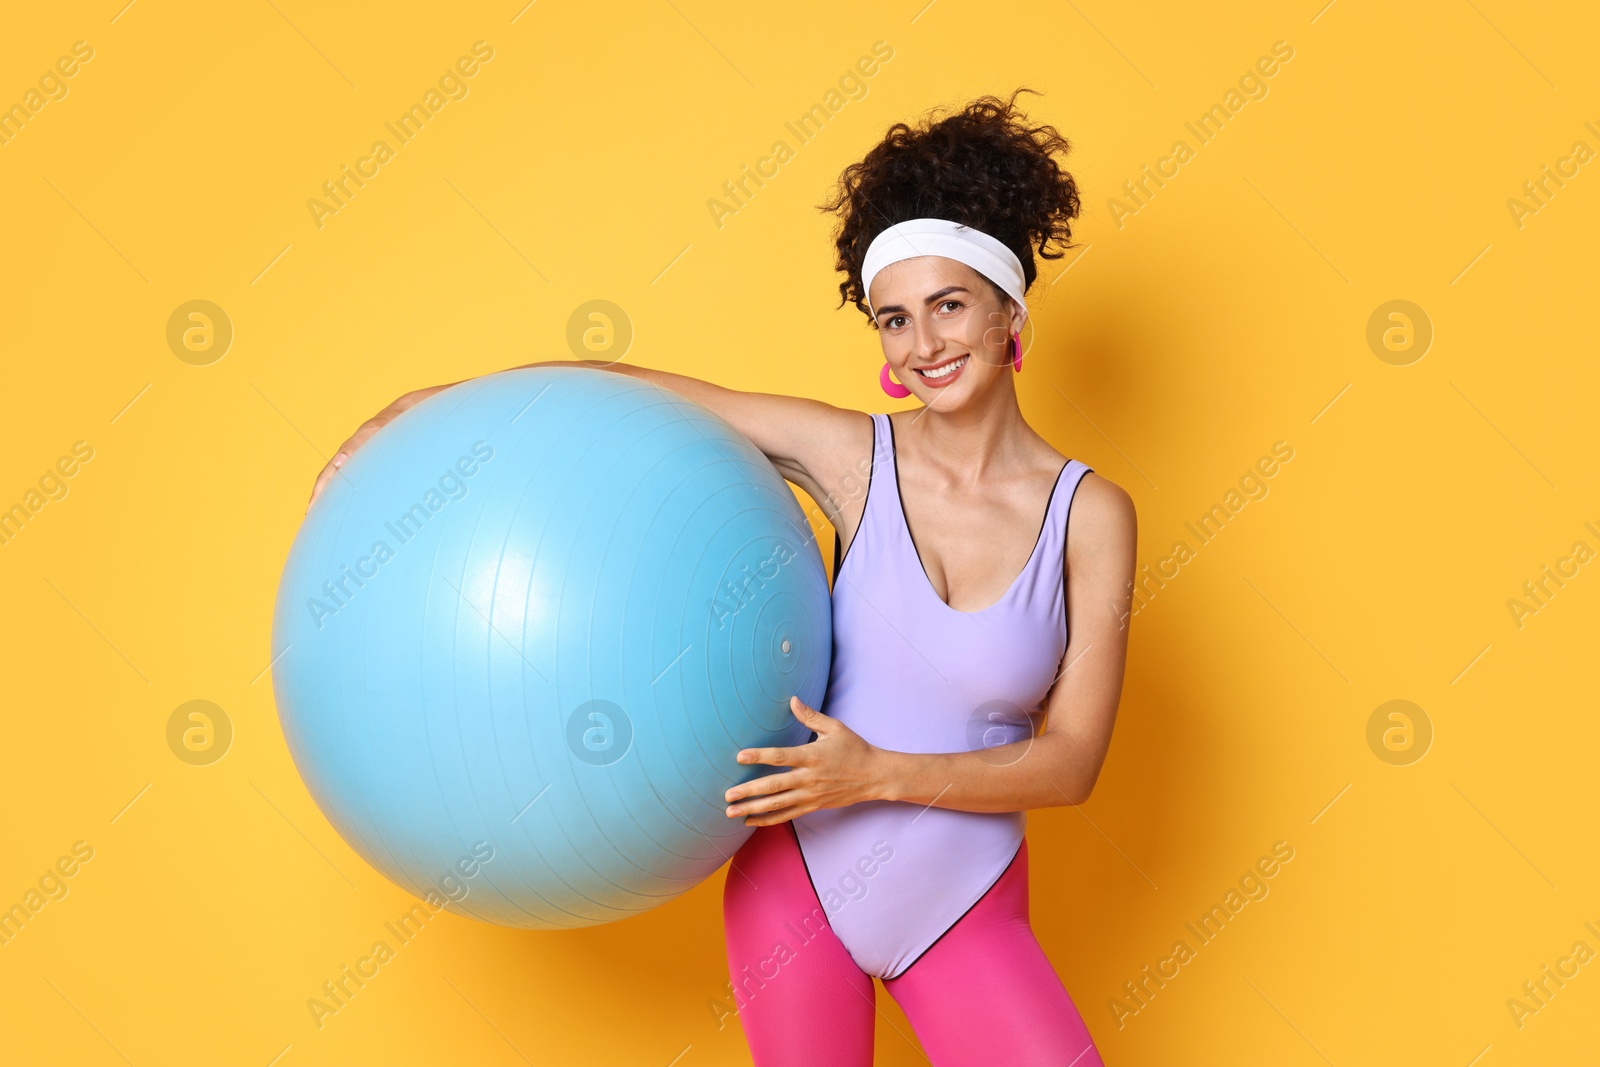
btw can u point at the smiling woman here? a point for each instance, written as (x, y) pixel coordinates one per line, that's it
(950, 598)
(891, 844)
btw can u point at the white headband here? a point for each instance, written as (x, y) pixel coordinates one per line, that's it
(952, 240)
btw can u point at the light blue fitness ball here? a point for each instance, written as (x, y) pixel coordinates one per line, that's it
(522, 635)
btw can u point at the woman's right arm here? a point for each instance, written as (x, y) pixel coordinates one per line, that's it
(815, 445)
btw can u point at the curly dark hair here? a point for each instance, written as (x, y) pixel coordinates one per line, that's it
(982, 166)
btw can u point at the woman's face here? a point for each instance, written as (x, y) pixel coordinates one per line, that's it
(941, 316)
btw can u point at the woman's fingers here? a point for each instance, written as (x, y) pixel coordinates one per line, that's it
(782, 815)
(791, 757)
(778, 802)
(326, 474)
(769, 783)
(362, 435)
(777, 757)
(805, 712)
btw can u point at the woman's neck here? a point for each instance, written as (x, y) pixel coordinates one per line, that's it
(977, 442)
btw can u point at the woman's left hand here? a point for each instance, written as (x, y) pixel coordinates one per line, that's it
(835, 770)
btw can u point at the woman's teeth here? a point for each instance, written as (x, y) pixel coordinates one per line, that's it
(948, 368)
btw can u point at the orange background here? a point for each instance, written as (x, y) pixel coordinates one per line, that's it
(1222, 312)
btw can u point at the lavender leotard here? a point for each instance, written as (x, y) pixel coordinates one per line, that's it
(912, 674)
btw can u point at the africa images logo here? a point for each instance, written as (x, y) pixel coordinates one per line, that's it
(452, 485)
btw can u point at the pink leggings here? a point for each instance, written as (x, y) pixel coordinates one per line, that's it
(983, 994)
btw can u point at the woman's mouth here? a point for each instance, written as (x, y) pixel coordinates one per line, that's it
(945, 373)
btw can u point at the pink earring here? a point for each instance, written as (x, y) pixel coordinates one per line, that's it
(890, 386)
(1016, 348)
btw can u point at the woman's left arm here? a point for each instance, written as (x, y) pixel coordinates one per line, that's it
(1059, 766)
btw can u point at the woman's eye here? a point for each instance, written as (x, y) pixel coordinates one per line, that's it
(951, 301)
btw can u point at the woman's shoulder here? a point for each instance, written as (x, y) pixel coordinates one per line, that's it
(1102, 515)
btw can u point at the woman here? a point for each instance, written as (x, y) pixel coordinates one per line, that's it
(964, 618)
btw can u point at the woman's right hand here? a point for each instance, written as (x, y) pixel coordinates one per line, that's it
(364, 432)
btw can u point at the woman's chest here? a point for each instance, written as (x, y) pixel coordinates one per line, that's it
(896, 645)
